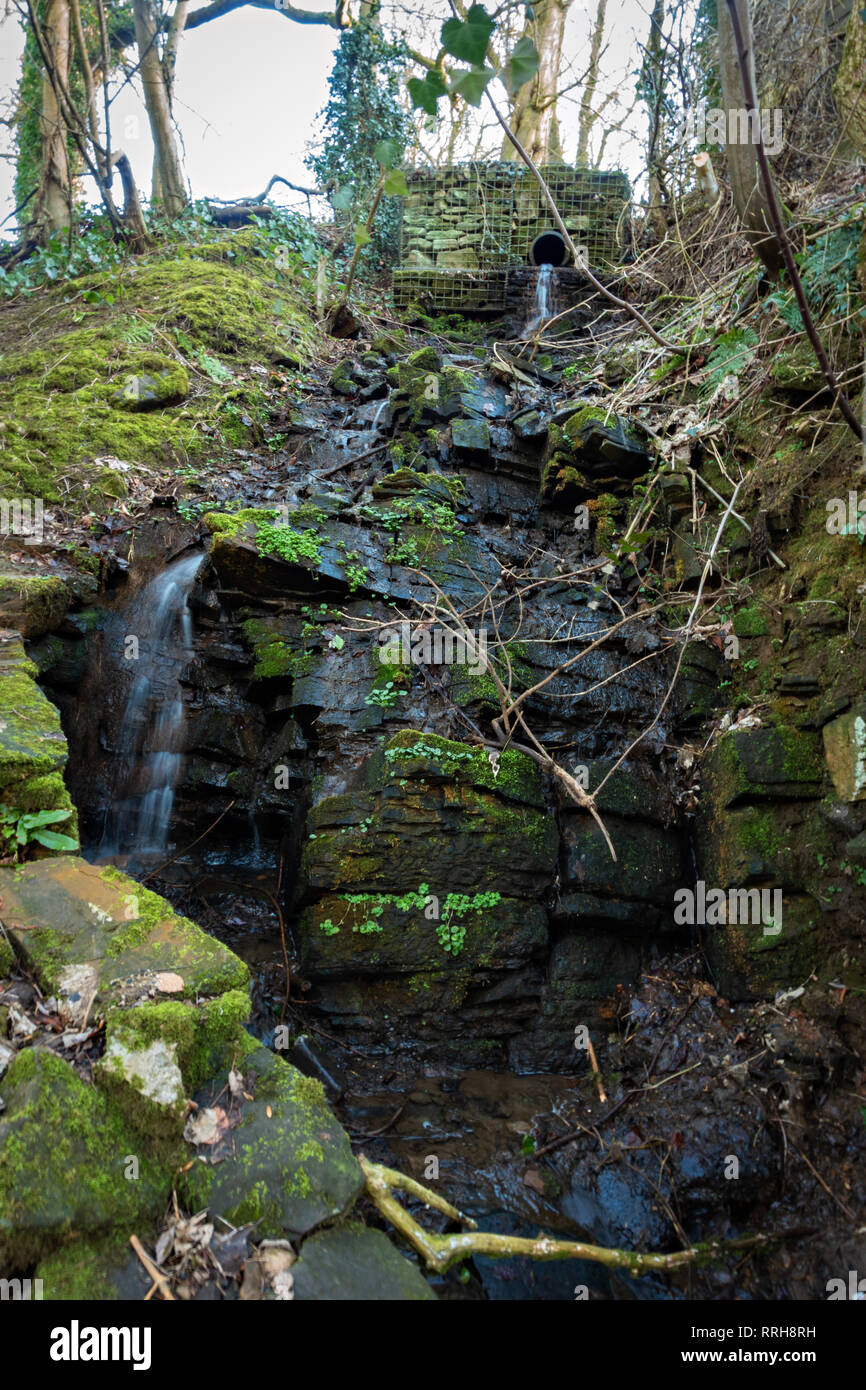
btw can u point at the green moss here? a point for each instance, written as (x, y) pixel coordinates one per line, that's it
(205, 1036)
(7, 956)
(64, 399)
(516, 776)
(750, 622)
(230, 523)
(64, 1150)
(172, 942)
(79, 1273)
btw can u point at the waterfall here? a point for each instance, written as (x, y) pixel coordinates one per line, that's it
(150, 743)
(542, 292)
(542, 307)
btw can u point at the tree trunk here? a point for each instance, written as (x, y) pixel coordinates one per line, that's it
(53, 210)
(654, 80)
(743, 171)
(588, 116)
(169, 189)
(533, 119)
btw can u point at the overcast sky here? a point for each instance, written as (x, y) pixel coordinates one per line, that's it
(250, 84)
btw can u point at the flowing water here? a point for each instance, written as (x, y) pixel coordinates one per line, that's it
(542, 306)
(158, 645)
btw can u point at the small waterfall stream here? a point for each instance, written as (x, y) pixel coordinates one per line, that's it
(542, 305)
(150, 743)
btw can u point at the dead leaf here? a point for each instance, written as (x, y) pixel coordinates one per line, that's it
(207, 1127)
(532, 1178)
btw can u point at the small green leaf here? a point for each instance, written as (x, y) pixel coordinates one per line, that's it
(361, 236)
(396, 185)
(527, 1144)
(52, 839)
(471, 85)
(387, 153)
(468, 39)
(521, 66)
(425, 92)
(32, 818)
(337, 642)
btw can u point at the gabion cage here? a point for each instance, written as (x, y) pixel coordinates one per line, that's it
(455, 291)
(463, 223)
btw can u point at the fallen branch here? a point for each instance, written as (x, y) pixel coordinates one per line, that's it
(439, 1253)
(156, 1275)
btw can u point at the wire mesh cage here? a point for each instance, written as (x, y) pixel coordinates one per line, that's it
(457, 291)
(462, 223)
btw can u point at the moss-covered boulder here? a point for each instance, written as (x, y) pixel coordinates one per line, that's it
(164, 385)
(350, 1263)
(287, 1164)
(606, 446)
(62, 912)
(69, 1163)
(766, 764)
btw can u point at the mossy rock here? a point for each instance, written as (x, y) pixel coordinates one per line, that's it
(747, 765)
(63, 911)
(93, 1272)
(351, 1263)
(638, 888)
(750, 622)
(32, 604)
(207, 1035)
(65, 1162)
(287, 1165)
(409, 754)
(7, 956)
(167, 385)
(33, 750)
(752, 961)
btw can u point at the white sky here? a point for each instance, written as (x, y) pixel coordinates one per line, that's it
(249, 86)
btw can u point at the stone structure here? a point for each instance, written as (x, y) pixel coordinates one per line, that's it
(464, 227)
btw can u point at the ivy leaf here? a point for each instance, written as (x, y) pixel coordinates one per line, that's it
(337, 642)
(521, 66)
(362, 236)
(471, 85)
(468, 39)
(342, 199)
(396, 185)
(387, 152)
(425, 92)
